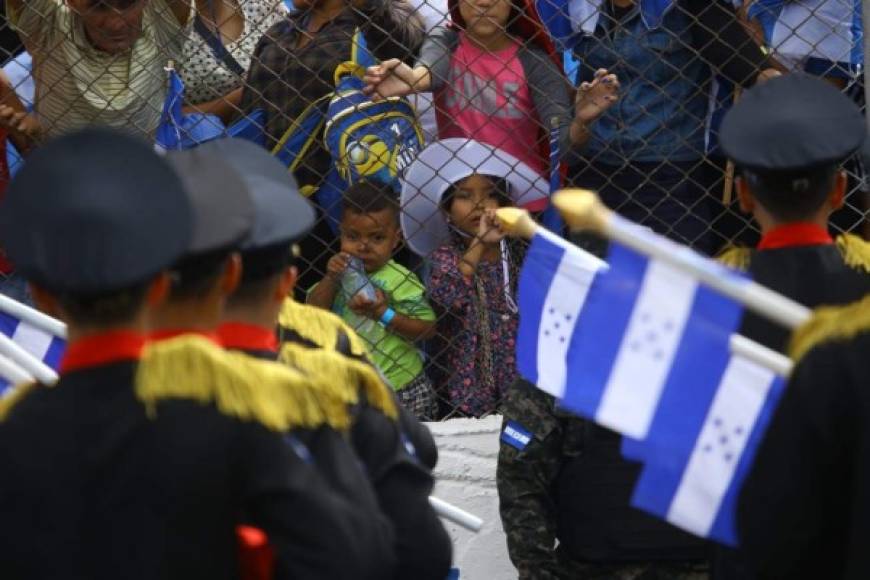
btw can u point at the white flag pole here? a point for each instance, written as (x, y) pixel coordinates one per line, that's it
(13, 372)
(761, 355)
(32, 316)
(584, 211)
(35, 367)
(456, 515)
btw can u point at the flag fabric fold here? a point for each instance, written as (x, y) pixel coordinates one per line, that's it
(692, 474)
(643, 348)
(553, 284)
(40, 344)
(647, 326)
(179, 130)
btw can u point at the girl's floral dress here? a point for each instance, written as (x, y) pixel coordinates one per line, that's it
(478, 320)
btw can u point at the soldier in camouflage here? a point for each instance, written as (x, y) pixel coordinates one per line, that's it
(542, 449)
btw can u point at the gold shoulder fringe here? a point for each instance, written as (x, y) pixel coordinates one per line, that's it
(831, 323)
(15, 395)
(192, 367)
(855, 252)
(736, 257)
(346, 377)
(319, 326)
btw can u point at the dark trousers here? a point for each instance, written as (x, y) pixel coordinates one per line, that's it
(670, 198)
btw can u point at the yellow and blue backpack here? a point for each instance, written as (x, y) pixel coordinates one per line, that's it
(367, 140)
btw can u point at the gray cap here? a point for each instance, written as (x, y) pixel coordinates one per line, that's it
(281, 213)
(94, 211)
(223, 211)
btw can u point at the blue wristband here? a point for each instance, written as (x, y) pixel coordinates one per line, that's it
(387, 316)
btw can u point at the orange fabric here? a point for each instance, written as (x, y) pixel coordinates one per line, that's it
(102, 349)
(168, 333)
(256, 558)
(243, 336)
(795, 234)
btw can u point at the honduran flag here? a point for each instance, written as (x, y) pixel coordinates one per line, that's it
(554, 282)
(31, 341)
(646, 327)
(701, 446)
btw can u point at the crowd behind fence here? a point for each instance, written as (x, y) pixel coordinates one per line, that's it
(408, 121)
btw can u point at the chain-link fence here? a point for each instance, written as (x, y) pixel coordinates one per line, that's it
(618, 96)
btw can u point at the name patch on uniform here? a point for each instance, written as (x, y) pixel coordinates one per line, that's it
(515, 436)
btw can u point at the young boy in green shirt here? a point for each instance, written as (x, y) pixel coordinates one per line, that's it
(396, 313)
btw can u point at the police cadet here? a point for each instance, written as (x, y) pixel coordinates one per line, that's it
(789, 137)
(225, 211)
(401, 483)
(132, 465)
(804, 510)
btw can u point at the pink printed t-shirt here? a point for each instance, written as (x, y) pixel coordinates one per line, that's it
(486, 98)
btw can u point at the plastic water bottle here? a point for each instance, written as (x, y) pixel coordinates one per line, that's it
(354, 281)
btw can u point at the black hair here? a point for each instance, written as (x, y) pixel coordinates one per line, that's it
(367, 197)
(194, 276)
(792, 195)
(501, 193)
(260, 269)
(111, 308)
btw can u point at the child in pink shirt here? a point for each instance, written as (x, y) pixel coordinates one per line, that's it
(495, 80)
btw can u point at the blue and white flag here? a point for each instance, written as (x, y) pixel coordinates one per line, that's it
(11, 374)
(178, 130)
(169, 132)
(43, 345)
(696, 463)
(646, 327)
(45, 348)
(555, 278)
(807, 32)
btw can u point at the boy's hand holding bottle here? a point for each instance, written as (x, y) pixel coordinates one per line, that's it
(370, 308)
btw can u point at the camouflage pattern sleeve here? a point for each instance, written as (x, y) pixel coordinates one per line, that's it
(530, 456)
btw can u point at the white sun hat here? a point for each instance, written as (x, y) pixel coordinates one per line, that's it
(442, 164)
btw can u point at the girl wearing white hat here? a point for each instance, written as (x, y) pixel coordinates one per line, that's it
(449, 196)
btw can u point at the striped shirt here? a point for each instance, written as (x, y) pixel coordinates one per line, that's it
(77, 85)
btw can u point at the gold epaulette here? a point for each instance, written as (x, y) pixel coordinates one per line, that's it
(319, 326)
(736, 257)
(343, 377)
(855, 252)
(14, 396)
(192, 367)
(831, 323)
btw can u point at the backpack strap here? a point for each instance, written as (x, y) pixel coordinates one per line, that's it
(220, 52)
(302, 133)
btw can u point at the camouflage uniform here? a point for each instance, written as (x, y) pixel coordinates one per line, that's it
(525, 480)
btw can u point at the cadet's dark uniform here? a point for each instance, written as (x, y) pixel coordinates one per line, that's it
(117, 471)
(803, 263)
(804, 512)
(401, 486)
(796, 124)
(234, 187)
(797, 259)
(396, 449)
(281, 217)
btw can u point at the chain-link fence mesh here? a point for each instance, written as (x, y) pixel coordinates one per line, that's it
(613, 95)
